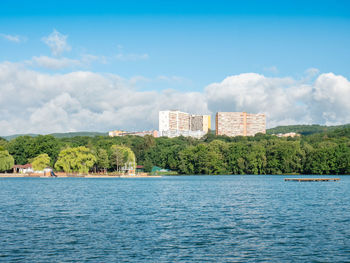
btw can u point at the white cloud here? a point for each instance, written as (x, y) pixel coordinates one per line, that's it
(54, 63)
(13, 38)
(284, 100)
(34, 102)
(57, 42)
(131, 57)
(89, 58)
(312, 72)
(138, 79)
(256, 93)
(122, 56)
(171, 78)
(329, 100)
(272, 69)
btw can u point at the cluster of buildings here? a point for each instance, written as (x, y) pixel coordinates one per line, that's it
(173, 123)
(115, 133)
(289, 134)
(176, 123)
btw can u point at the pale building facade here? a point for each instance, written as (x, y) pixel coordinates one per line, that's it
(176, 123)
(117, 133)
(289, 134)
(240, 123)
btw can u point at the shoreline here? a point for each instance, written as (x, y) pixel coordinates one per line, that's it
(3, 175)
(62, 175)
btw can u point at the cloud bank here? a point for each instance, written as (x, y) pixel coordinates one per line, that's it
(35, 102)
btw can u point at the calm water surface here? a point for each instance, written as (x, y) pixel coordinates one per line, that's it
(174, 219)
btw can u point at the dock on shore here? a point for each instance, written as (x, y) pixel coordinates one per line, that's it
(311, 179)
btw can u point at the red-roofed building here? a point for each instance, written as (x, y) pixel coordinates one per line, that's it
(26, 168)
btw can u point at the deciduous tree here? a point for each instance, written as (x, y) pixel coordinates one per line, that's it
(78, 159)
(121, 156)
(41, 162)
(6, 161)
(102, 161)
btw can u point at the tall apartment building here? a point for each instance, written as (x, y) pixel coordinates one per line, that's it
(239, 123)
(200, 123)
(176, 123)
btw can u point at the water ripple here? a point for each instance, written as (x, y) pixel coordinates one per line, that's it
(172, 219)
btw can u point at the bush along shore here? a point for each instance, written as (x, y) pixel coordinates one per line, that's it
(326, 152)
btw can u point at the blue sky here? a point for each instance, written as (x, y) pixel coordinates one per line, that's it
(202, 41)
(180, 45)
(333, 8)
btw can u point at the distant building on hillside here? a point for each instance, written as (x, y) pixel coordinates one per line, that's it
(240, 123)
(115, 133)
(289, 134)
(141, 133)
(173, 123)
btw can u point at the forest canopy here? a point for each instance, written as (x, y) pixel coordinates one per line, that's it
(326, 152)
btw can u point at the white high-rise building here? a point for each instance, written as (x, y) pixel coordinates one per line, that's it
(175, 123)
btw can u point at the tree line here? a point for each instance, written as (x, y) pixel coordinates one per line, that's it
(320, 153)
(305, 129)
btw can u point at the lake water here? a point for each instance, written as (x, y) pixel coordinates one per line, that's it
(174, 219)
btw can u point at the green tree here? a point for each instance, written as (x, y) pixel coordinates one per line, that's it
(187, 162)
(284, 157)
(218, 150)
(6, 161)
(78, 159)
(41, 161)
(46, 144)
(208, 161)
(201, 159)
(255, 159)
(25, 148)
(140, 146)
(236, 160)
(343, 159)
(323, 159)
(102, 161)
(3, 142)
(122, 156)
(22, 149)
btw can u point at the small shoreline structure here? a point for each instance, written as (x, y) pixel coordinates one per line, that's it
(311, 179)
(64, 175)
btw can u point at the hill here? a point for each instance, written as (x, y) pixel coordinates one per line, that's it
(301, 129)
(74, 134)
(60, 135)
(305, 129)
